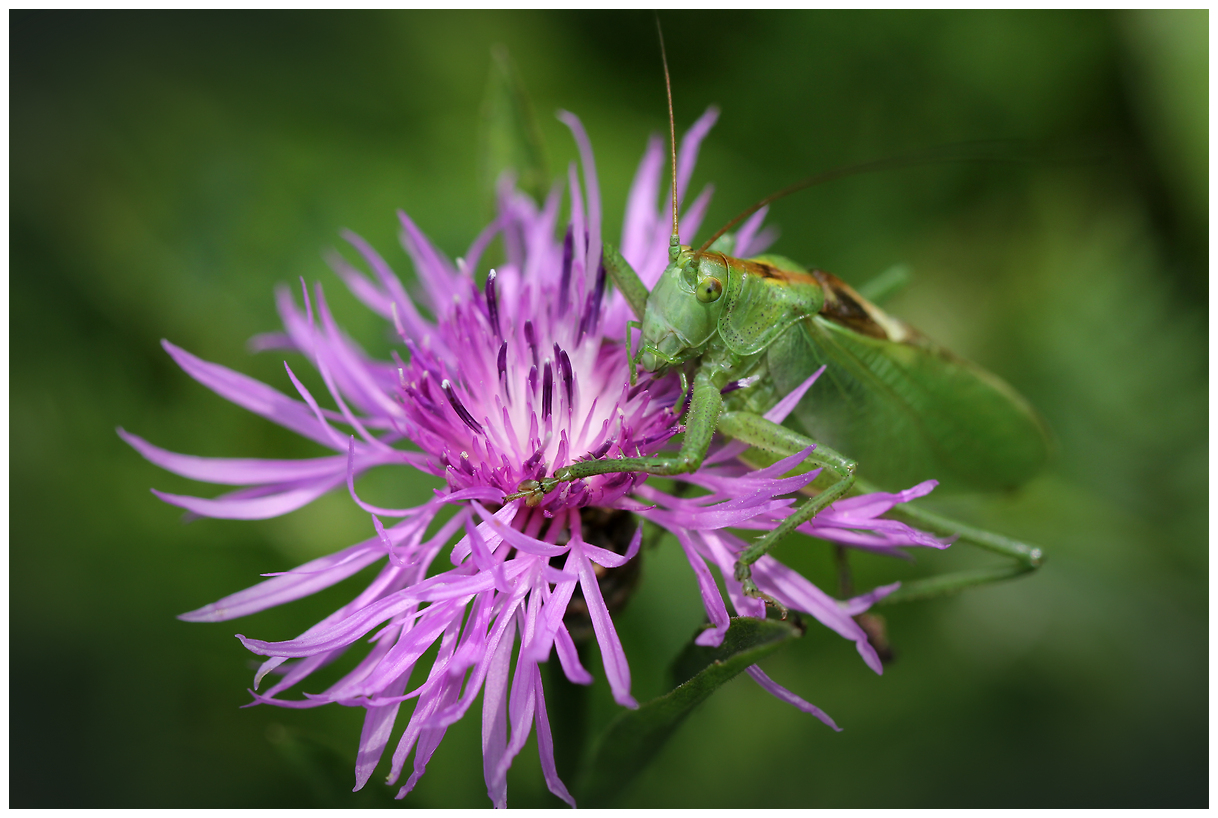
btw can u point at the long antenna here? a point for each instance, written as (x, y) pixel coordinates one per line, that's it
(674, 245)
(955, 152)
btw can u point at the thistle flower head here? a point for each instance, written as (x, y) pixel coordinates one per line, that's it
(521, 372)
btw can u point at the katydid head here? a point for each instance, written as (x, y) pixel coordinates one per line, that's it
(683, 309)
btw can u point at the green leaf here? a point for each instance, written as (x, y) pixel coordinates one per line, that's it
(326, 773)
(636, 736)
(886, 284)
(509, 137)
(567, 707)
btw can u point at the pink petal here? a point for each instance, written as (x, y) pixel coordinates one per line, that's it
(691, 219)
(639, 223)
(545, 743)
(494, 723)
(486, 649)
(378, 724)
(399, 660)
(617, 671)
(747, 231)
(437, 588)
(568, 657)
(307, 579)
(781, 693)
(554, 608)
(712, 600)
(233, 471)
(433, 270)
(857, 605)
(368, 293)
(350, 367)
(578, 228)
(795, 591)
(691, 142)
(523, 542)
(240, 505)
(427, 738)
(484, 559)
(593, 248)
(416, 326)
(250, 394)
(521, 708)
(350, 474)
(867, 506)
(612, 559)
(780, 410)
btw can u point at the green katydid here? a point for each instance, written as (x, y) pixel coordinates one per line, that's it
(906, 408)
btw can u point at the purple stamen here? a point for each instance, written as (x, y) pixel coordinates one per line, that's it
(502, 364)
(568, 376)
(592, 309)
(564, 282)
(601, 450)
(617, 480)
(547, 390)
(492, 303)
(531, 338)
(459, 408)
(529, 465)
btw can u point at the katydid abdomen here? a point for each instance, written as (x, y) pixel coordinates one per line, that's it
(904, 408)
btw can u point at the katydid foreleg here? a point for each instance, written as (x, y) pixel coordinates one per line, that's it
(701, 421)
(631, 326)
(625, 279)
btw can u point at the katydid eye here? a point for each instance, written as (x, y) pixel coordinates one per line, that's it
(709, 290)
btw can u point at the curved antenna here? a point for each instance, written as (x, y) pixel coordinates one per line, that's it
(674, 244)
(953, 152)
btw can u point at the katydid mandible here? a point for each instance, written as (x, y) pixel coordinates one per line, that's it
(906, 408)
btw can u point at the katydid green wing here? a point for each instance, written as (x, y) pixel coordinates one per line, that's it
(908, 410)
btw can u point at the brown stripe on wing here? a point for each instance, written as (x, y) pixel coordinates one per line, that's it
(846, 307)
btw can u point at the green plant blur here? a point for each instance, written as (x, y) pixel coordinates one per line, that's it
(167, 170)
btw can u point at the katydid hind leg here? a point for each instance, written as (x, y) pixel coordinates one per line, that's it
(774, 437)
(1024, 558)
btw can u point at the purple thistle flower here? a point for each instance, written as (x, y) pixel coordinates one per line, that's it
(516, 378)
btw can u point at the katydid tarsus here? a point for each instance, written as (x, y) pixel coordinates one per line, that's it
(905, 408)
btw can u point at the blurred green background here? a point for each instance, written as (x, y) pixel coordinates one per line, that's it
(168, 169)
